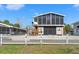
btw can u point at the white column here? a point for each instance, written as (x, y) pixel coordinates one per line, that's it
(50, 18)
(55, 19)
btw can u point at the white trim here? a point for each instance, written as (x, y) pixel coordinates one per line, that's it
(5, 25)
(46, 19)
(55, 19)
(48, 13)
(50, 18)
(50, 25)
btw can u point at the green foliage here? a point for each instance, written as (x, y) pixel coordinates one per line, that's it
(11, 24)
(0, 21)
(8, 23)
(67, 28)
(17, 25)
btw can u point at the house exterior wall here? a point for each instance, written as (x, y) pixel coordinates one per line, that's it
(59, 30)
(41, 30)
(76, 28)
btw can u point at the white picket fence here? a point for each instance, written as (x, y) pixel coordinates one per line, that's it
(21, 39)
(53, 39)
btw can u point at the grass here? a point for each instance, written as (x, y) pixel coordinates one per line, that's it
(39, 49)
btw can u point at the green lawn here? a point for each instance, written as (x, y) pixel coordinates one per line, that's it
(39, 49)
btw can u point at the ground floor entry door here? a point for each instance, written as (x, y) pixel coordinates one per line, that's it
(50, 30)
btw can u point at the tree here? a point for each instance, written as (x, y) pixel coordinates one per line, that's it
(6, 22)
(0, 21)
(11, 24)
(17, 25)
(67, 28)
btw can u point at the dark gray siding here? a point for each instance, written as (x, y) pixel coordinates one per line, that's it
(61, 20)
(49, 19)
(44, 19)
(57, 19)
(53, 18)
(39, 20)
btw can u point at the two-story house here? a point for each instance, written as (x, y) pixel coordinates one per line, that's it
(49, 24)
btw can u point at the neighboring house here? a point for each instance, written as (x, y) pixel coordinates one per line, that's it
(7, 29)
(49, 24)
(76, 28)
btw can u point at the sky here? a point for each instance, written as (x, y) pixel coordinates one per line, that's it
(24, 12)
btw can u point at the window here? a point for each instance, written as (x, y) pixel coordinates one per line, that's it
(77, 26)
(53, 19)
(48, 19)
(61, 20)
(39, 20)
(57, 19)
(35, 19)
(44, 19)
(77, 30)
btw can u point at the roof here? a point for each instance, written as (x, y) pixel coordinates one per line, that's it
(77, 22)
(5, 25)
(49, 13)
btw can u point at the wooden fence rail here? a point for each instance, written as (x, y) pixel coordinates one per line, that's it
(45, 39)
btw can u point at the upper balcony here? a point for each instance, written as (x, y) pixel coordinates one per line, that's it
(49, 19)
(36, 24)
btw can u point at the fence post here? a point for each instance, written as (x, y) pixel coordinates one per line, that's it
(1, 39)
(67, 39)
(25, 39)
(41, 39)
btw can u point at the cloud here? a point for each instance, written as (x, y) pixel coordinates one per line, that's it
(36, 14)
(1, 6)
(76, 5)
(14, 6)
